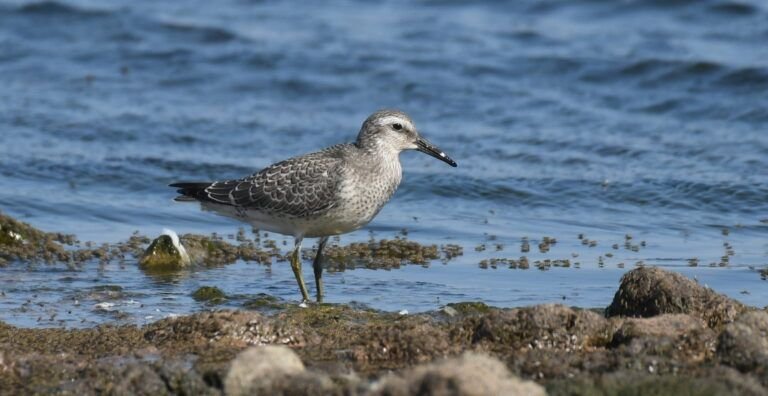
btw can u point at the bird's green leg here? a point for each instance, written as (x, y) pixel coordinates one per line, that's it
(296, 266)
(317, 265)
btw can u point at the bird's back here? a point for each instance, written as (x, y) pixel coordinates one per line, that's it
(302, 186)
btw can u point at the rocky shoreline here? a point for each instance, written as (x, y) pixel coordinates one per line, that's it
(662, 334)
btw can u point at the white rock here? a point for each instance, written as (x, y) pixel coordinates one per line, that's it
(469, 374)
(256, 367)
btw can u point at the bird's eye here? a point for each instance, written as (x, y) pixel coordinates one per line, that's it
(397, 127)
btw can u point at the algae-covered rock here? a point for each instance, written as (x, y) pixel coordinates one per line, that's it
(21, 241)
(470, 307)
(469, 374)
(238, 328)
(209, 294)
(681, 336)
(652, 291)
(266, 302)
(547, 326)
(165, 253)
(744, 343)
(667, 325)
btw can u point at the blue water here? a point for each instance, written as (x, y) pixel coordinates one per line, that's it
(601, 118)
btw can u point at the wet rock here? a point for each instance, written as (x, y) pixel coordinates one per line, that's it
(209, 294)
(165, 253)
(470, 374)
(651, 291)
(541, 326)
(744, 343)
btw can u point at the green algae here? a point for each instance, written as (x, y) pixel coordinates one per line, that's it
(210, 295)
(470, 307)
(162, 255)
(265, 302)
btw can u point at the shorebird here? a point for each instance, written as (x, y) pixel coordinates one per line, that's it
(330, 192)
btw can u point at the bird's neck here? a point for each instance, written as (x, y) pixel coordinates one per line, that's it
(384, 159)
(382, 152)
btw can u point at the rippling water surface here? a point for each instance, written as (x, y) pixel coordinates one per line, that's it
(601, 118)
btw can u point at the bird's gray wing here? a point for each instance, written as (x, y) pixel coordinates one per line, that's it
(301, 186)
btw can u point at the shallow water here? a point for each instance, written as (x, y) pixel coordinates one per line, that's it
(600, 118)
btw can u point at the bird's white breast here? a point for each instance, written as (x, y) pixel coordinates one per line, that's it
(360, 198)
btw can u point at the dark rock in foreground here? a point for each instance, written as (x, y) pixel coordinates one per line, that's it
(744, 343)
(462, 349)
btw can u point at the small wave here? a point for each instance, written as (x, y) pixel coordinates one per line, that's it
(671, 69)
(734, 9)
(56, 8)
(751, 77)
(653, 72)
(160, 54)
(662, 106)
(572, 193)
(204, 34)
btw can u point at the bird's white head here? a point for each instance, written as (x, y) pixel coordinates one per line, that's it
(393, 130)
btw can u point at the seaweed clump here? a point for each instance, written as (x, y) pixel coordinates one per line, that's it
(209, 294)
(381, 254)
(213, 251)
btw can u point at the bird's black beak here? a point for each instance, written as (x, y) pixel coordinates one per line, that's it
(428, 148)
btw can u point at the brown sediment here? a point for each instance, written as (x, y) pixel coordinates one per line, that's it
(340, 349)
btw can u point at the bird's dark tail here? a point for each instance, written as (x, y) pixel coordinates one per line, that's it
(190, 191)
